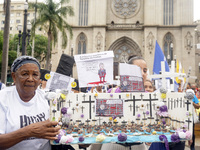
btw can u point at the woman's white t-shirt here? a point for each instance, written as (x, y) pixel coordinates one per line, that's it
(16, 114)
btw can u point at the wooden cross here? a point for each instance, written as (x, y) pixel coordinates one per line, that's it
(87, 121)
(188, 103)
(171, 103)
(90, 102)
(104, 122)
(61, 102)
(100, 120)
(168, 103)
(147, 106)
(69, 102)
(154, 95)
(137, 107)
(174, 103)
(130, 107)
(133, 100)
(76, 97)
(150, 100)
(73, 109)
(181, 102)
(93, 108)
(84, 95)
(157, 118)
(141, 96)
(144, 116)
(177, 102)
(165, 75)
(154, 106)
(82, 108)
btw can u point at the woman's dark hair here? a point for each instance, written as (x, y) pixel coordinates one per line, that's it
(132, 59)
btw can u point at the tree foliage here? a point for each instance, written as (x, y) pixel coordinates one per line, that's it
(51, 17)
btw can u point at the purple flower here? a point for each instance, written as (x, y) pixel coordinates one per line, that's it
(114, 117)
(81, 139)
(175, 138)
(58, 138)
(163, 122)
(118, 90)
(187, 113)
(82, 115)
(138, 115)
(147, 112)
(163, 108)
(122, 137)
(111, 95)
(64, 110)
(163, 137)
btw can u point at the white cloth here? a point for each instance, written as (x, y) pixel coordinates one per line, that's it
(3, 86)
(15, 114)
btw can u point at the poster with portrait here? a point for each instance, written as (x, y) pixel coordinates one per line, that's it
(95, 69)
(59, 81)
(109, 107)
(131, 78)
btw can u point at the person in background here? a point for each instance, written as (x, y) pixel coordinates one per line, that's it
(148, 85)
(24, 111)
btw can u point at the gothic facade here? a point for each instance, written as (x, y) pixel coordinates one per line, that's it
(131, 27)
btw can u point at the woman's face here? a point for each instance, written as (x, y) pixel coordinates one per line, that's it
(143, 65)
(27, 79)
(148, 86)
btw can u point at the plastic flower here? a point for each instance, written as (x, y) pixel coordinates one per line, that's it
(110, 118)
(188, 114)
(163, 95)
(115, 120)
(163, 90)
(81, 139)
(100, 138)
(47, 76)
(188, 135)
(189, 94)
(163, 108)
(63, 96)
(69, 139)
(182, 135)
(164, 138)
(111, 95)
(138, 115)
(82, 115)
(147, 112)
(154, 132)
(73, 84)
(69, 111)
(122, 137)
(66, 139)
(95, 94)
(64, 110)
(127, 95)
(175, 138)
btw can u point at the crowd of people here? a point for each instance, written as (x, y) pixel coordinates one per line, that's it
(24, 111)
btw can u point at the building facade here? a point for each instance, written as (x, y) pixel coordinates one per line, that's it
(17, 17)
(131, 27)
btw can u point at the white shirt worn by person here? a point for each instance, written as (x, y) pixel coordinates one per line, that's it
(16, 114)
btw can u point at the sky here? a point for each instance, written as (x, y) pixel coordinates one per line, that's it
(196, 7)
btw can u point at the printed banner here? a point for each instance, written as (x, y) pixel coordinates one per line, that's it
(95, 69)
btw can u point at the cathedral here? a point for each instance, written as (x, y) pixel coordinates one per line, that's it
(131, 27)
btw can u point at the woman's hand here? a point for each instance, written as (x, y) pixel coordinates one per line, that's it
(45, 130)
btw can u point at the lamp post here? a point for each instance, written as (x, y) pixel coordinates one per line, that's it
(72, 49)
(24, 34)
(19, 37)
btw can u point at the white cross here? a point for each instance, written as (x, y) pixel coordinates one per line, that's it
(165, 75)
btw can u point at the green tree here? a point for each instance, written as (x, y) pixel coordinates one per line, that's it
(51, 17)
(1, 41)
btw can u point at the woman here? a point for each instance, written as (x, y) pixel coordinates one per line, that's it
(24, 112)
(140, 62)
(148, 85)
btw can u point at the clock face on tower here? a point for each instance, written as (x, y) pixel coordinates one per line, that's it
(125, 8)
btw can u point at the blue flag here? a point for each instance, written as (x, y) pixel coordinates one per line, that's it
(158, 57)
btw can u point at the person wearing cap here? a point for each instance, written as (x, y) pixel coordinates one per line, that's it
(24, 112)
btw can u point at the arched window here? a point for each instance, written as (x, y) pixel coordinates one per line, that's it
(168, 47)
(82, 44)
